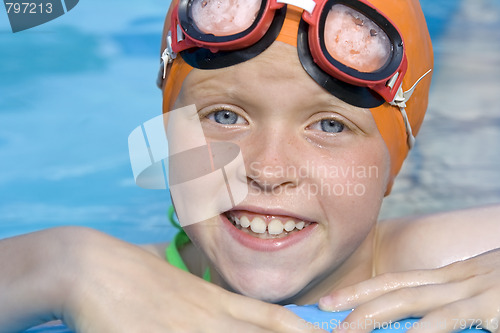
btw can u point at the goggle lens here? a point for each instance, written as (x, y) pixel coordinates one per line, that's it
(224, 17)
(354, 40)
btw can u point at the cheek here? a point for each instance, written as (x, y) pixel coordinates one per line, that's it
(205, 235)
(352, 194)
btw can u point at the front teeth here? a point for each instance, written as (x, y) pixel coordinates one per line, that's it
(258, 225)
(275, 227)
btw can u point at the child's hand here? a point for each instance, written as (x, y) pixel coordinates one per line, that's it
(118, 287)
(458, 296)
(97, 283)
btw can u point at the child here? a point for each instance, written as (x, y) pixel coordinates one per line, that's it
(322, 144)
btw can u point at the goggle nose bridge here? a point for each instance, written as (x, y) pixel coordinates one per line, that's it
(307, 5)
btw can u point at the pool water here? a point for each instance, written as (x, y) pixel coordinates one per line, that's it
(73, 89)
(70, 93)
(456, 161)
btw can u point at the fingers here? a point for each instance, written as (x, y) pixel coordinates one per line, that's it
(461, 295)
(471, 313)
(282, 320)
(352, 296)
(233, 325)
(468, 300)
(267, 316)
(402, 303)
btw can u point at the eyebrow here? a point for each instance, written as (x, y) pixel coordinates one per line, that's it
(221, 83)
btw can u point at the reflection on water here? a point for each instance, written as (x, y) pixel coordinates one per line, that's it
(70, 93)
(66, 51)
(456, 162)
(33, 58)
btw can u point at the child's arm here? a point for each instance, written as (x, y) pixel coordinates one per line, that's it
(414, 282)
(96, 283)
(437, 240)
(28, 277)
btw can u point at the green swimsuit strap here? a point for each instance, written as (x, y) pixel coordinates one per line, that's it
(181, 239)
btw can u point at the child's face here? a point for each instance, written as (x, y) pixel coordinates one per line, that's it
(308, 156)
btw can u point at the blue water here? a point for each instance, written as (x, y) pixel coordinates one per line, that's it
(70, 93)
(438, 14)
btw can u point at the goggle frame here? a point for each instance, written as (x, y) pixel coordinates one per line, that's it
(386, 81)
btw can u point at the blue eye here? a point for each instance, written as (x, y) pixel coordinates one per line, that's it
(331, 126)
(225, 117)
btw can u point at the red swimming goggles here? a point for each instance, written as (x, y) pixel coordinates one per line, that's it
(347, 46)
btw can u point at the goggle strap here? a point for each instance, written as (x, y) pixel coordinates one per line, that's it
(400, 101)
(168, 54)
(401, 96)
(167, 57)
(410, 91)
(410, 138)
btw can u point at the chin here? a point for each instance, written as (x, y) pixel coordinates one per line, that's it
(272, 287)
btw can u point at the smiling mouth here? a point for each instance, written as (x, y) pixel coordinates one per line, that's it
(266, 227)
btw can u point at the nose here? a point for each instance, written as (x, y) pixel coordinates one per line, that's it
(272, 162)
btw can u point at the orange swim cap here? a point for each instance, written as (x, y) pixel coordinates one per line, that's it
(407, 15)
